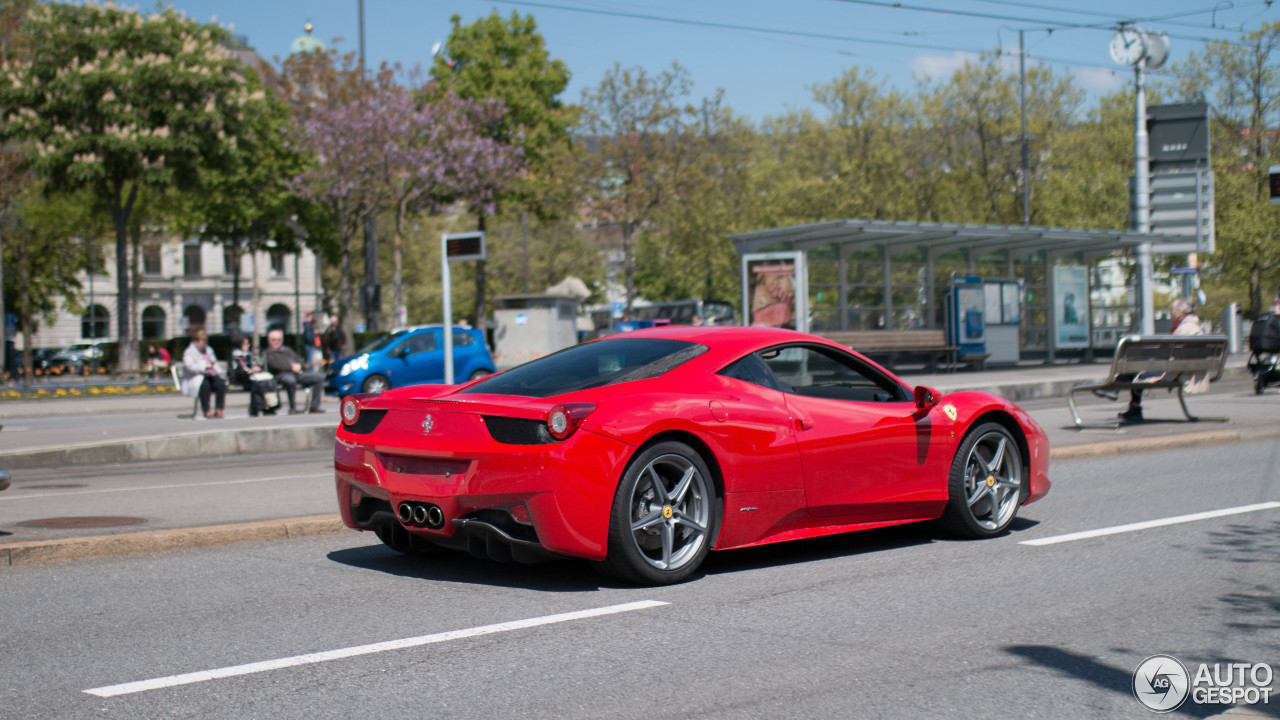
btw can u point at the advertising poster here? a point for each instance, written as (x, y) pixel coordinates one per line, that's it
(1011, 296)
(1070, 307)
(774, 290)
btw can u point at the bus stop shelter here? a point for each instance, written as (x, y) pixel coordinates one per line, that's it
(881, 274)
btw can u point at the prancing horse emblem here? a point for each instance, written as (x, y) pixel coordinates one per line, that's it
(427, 424)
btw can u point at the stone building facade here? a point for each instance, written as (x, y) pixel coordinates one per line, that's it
(187, 284)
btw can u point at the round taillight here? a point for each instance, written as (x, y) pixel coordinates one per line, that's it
(563, 420)
(350, 410)
(558, 423)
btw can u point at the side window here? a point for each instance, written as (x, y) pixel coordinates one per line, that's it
(462, 339)
(421, 342)
(751, 369)
(823, 373)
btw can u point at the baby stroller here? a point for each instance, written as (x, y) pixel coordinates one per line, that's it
(1264, 352)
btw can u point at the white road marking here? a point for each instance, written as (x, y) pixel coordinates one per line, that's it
(178, 486)
(327, 655)
(1152, 524)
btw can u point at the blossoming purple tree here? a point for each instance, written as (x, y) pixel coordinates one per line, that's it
(378, 148)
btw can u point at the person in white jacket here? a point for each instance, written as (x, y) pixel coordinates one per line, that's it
(1185, 322)
(202, 375)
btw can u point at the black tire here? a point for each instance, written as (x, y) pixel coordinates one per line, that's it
(978, 506)
(402, 541)
(1259, 382)
(375, 384)
(659, 543)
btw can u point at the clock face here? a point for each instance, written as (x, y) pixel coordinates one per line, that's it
(1128, 47)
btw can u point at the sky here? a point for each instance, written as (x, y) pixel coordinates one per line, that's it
(766, 55)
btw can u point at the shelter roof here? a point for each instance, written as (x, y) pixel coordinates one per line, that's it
(941, 238)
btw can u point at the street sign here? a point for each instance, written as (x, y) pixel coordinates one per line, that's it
(1181, 203)
(1274, 171)
(464, 246)
(454, 247)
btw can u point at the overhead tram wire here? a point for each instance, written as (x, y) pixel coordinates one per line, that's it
(1167, 19)
(746, 28)
(1040, 23)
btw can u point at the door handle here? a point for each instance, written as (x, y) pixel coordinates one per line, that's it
(802, 423)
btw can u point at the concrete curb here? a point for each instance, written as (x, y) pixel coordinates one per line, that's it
(1164, 442)
(37, 552)
(176, 447)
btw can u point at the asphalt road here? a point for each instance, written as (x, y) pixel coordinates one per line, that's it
(903, 622)
(167, 494)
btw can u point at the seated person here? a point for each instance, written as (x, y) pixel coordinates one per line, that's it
(1185, 322)
(241, 359)
(157, 360)
(244, 365)
(202, 375)
(285, 364)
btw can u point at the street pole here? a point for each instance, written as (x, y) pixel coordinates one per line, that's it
(4, 321)
(373, 299)
(1026, 164)
(447, 329)
(1142, 196)
(524, 224)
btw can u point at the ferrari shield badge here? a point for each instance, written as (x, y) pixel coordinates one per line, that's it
(949, 411)
(427, 424)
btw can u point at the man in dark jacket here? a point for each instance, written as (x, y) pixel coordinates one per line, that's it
(311, 341)
(285, 364)
(334, 340)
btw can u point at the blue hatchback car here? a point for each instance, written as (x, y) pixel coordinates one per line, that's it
(409, 356)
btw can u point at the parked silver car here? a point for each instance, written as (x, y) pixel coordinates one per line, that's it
(74, 358)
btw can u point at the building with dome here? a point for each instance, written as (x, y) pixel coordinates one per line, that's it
(305, 43)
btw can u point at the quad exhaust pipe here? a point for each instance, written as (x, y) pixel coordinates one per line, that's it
(421, 514)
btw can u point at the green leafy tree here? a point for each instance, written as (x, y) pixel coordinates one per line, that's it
(1082, 173)
(248, 206)
(507, 60)
(1241, 82)
(114, 100)
(686, 256)
(49, 239)
(15, 175)
(976, 116)
(634, 120)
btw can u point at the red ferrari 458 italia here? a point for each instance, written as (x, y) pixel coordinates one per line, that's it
(643, 451)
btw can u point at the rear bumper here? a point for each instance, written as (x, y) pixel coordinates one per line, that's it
(567, 489)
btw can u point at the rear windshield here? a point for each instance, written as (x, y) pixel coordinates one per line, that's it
(590, 365)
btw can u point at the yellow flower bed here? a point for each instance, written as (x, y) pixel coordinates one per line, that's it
(14, 394)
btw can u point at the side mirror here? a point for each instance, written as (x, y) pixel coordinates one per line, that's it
(926, 397)
(402, 351)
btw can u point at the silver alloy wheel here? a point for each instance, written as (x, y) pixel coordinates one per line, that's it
(670, 512)
(993, 480)
(376, 384)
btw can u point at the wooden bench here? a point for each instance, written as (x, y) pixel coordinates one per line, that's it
(892, 346)
(1165, 361)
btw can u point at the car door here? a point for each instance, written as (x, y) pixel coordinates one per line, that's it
(865, 449)
(420, 359)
